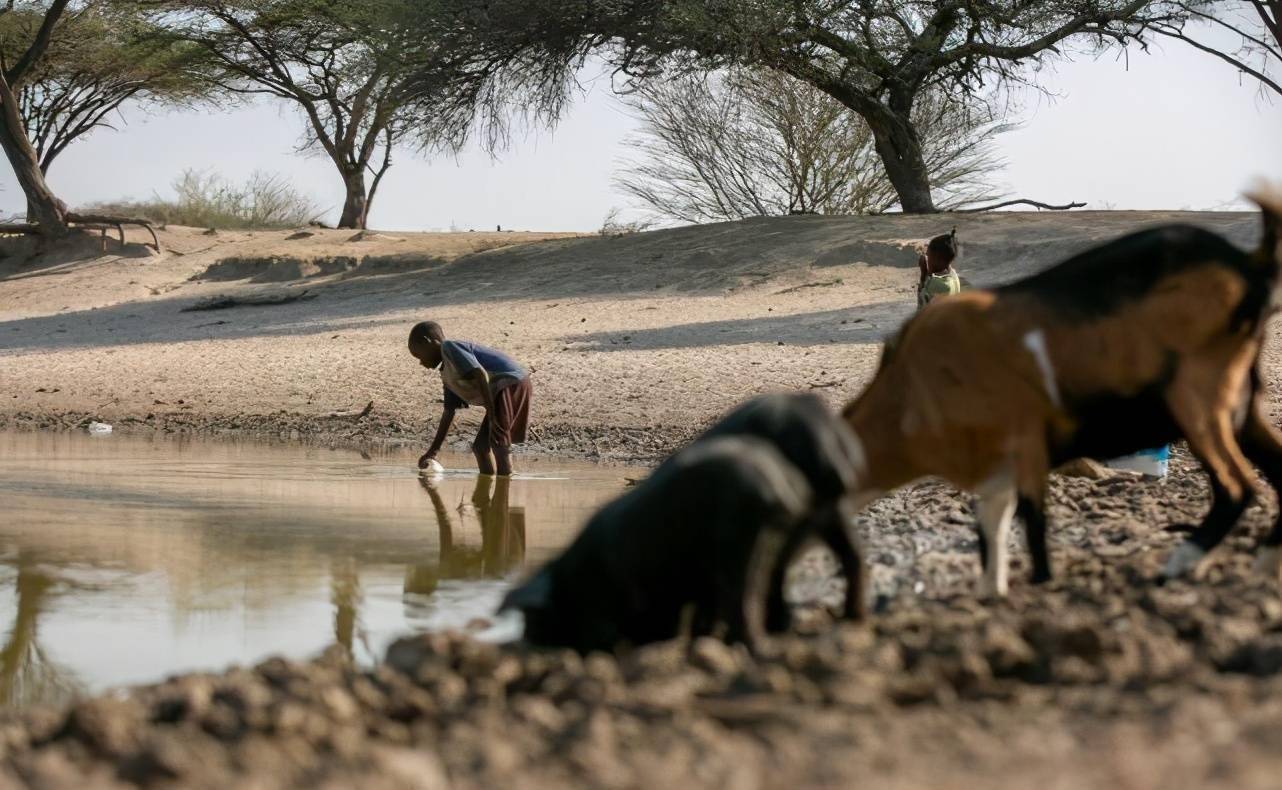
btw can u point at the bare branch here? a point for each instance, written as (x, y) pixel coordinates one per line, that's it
(1021, 201)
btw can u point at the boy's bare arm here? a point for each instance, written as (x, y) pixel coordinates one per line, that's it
(482, 380)
(442, 430)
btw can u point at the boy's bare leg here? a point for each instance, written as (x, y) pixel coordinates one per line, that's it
(481, 448)
(484, 461)
(503, 456)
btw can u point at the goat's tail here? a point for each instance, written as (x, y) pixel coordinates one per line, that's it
(1269, 198)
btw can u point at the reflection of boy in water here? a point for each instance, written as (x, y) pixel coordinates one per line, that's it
(502, 538)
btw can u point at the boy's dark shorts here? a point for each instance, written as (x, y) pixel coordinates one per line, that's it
(511, 418)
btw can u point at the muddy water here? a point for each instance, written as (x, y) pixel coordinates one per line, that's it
(126, 559)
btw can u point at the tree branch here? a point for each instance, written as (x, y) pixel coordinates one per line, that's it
(1021, 201)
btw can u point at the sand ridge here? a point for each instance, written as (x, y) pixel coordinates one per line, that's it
(635, 341)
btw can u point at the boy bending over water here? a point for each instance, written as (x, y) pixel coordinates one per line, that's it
(476, 375)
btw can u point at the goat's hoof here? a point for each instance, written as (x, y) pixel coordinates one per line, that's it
(993, 591)
(1180, 529)
(1269, 562)
(1184, 561)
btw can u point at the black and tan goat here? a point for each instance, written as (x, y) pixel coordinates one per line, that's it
(1140, 342)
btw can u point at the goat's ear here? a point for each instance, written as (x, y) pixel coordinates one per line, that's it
(536, 593)
(1269, 198)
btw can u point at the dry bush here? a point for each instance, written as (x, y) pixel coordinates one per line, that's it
(208, 200)
(747, 143)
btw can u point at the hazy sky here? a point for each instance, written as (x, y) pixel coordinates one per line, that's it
(1170, 129)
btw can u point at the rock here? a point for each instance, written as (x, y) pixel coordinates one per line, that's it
(340, 704)
(111, 726)
(369, 235)
(1261, 658)
(184, 698)
(302, 234)
(416, 768)
(1007, 653)
(713, 656)
(1086, 468)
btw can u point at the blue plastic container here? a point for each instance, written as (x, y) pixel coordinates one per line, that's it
(1152, 463)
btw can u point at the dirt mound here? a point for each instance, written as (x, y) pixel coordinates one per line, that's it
(274, 269)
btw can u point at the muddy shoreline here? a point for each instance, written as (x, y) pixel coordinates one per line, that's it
(610, 445)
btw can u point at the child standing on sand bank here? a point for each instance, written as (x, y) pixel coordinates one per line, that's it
(476, 375)
(938, 277)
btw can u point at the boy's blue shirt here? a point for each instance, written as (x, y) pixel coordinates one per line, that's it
(463, 357)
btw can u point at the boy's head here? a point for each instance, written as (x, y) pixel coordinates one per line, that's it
(425, 343)
(941, 252)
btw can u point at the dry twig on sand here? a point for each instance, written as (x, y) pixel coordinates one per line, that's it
(225, 302)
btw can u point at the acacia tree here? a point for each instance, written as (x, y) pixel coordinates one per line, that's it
(49, 213)
(876, 57)
(342, 64)
(100, 57)
(1256, 25)
(755, 142)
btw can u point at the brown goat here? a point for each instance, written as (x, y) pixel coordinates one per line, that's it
(1146, 340)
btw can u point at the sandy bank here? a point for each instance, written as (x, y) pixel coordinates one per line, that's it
(635, 341)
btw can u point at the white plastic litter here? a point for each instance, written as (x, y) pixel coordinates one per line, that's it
(1151, 463)
(99, 428)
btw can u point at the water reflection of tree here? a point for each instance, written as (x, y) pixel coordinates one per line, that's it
(502, 538)
(27, 674)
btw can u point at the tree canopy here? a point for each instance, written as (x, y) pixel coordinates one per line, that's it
(1254, 25)
(876, 57)
(99, 57)
(344, 65)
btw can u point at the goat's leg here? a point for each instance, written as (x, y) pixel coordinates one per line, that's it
(834, 528)
(778, 616)
(1032, 511)
(995, 509)
(738, 596)
(832, 525)
(1263, 447)
(1032, 467)
(1211, 439)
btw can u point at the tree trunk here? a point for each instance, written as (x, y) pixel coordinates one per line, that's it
(356, 204)
(894, 138)
(899, 147)
(43, 208)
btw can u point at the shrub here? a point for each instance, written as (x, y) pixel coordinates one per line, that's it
(207, 200)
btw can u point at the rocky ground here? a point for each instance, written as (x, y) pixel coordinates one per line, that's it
(1100, 679)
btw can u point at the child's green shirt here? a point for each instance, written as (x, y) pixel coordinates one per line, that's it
(936, 285)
